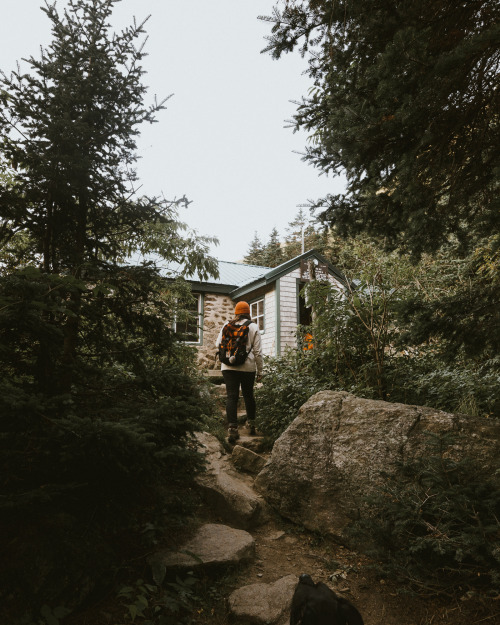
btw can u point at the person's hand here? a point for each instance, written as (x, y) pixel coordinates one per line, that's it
(259, 378)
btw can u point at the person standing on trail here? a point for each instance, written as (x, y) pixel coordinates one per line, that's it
(240, 352)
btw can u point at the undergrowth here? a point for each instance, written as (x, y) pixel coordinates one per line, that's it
(436, 527)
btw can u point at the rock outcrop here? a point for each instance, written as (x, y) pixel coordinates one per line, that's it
(337, 448)
(247, 460)
(229, 493)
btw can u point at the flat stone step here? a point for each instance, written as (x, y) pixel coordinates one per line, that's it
(215, 374)
(213, 547)
(260, 604)
(254, 443)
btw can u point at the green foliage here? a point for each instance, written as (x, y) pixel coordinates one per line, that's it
(288, 383)
(275, 252)
(465, 387)
(254, 253)
(49, 616)
(98, 397)
(183, 600)
(314, 238)
(463, 313)
(272, 255)
(436, 526)
(265, 255)
(149, 604)
(404, 101)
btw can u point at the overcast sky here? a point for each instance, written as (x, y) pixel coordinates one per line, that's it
(222, 140)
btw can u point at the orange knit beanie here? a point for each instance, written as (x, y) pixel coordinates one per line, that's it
(242, 308)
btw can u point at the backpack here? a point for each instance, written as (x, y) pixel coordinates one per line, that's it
(233, 345)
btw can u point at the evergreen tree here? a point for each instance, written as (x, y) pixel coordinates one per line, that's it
(405, 100)
(267, 254)
(314, 236)
(97, 397)
(254, 254)
(272, 255)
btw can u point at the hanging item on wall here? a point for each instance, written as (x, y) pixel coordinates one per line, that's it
(311, 271)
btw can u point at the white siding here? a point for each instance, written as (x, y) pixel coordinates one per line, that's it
(288, 305)
(288, 309)
(269, 334)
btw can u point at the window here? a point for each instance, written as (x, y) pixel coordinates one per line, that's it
(305, 311)
(190, 328)
(257, 313)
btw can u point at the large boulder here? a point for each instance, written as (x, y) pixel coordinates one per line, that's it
(338, 447)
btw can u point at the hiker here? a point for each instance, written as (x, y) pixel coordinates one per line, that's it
(239, 346)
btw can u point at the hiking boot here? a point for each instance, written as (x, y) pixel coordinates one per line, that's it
(251, 429)
(232, 435)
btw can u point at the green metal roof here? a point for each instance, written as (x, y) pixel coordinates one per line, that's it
(275, 273)
(238, 279)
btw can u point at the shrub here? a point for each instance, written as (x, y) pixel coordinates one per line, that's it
(287, 385)
(436, 527)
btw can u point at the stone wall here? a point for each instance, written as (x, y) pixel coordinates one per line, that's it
(217, 310)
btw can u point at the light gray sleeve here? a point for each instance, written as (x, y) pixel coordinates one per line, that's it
(257, 351)
(219, 338)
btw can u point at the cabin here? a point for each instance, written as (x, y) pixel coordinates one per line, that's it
(274, 295)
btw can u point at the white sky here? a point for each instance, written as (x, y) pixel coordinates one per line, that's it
(221, 140)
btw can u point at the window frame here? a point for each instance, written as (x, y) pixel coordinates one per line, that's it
(262, 316)
(199, 315)
(300, 284)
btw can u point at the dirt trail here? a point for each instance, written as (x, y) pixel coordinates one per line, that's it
(282, 549)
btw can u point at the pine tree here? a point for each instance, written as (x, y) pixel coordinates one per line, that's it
(315, 236)
(405, 101)
(272, 255)
(254, 254)
(97, 397)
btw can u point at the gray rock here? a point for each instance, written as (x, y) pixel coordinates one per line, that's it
(212, 547)
(229, 493)
(335, 451)
(254, 443)
(247, 460)
(263, 603)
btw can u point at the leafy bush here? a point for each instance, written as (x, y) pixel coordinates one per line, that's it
(287, 385)
(436, 526)
(368, 340)
(149, 604)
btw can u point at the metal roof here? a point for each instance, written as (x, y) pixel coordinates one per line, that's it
(230, 274)
(238, 278)
(239, 274)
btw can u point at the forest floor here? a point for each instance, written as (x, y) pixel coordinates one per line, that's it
(283, 549)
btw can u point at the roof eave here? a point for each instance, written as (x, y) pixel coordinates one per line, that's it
(248, 288)
(277, 272)
(281, 270)
(207, 287)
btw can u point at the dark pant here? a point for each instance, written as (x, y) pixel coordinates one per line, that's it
(233, 380)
